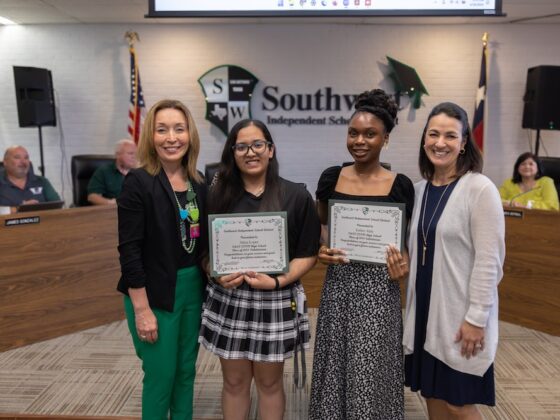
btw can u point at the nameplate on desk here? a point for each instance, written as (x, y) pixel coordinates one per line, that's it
(22, 221)
(514, 213)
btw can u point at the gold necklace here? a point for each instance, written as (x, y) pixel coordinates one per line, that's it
(425, 233)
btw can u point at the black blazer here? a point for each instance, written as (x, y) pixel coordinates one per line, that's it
(149, 235)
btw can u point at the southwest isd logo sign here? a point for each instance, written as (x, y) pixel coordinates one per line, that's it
(228, 90)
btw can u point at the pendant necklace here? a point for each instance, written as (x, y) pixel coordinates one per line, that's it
(425, 233)
(191, 214)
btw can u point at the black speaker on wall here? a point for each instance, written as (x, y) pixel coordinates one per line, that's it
(35, 98)
(542, 98)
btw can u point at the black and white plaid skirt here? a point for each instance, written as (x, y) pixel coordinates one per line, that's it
(258, 325)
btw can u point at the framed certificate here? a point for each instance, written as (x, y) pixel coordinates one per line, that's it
(248, 242)
(364, 229)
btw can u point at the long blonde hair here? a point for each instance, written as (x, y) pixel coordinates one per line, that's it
(147, 154)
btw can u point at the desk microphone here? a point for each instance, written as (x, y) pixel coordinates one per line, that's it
(523, 193)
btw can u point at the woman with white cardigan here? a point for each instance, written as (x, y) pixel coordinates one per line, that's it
(457, 251)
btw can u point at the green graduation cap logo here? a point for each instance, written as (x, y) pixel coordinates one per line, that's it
(407, 82)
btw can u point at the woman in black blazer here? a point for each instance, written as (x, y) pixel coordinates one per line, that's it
(162, 245)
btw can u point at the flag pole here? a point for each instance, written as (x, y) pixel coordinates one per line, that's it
(136, 96)
(478, 125)
(485, 38)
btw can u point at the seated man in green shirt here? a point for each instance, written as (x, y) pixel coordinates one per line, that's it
(106, 182)
(18, 183)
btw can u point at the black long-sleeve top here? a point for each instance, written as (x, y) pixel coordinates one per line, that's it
(149, 235)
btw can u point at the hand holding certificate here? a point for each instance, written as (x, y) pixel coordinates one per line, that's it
(248, 242)
(364, 229)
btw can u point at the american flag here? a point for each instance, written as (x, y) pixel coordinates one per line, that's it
(137, 106)
(478, 120)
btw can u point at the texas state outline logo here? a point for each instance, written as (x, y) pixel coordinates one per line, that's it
(228, 90)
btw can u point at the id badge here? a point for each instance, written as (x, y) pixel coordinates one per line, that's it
(301, 301)
(195, 231)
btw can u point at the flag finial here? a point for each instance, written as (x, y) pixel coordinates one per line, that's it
(131, 37)
(484, 39)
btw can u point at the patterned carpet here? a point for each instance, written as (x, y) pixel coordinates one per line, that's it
(96, 373)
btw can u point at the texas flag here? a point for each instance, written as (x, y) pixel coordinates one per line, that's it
(478, 120)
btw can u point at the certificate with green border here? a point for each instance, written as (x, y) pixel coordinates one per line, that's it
(364, 228)
(248, 242)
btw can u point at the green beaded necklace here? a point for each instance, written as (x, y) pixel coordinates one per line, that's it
(191, 214)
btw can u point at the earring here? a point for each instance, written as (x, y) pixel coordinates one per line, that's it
(386, 145)
(462, 151)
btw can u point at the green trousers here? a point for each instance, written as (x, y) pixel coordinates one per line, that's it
(169, 364)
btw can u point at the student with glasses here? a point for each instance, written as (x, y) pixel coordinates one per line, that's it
(249, 319)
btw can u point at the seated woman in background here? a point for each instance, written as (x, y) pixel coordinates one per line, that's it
(528, 187)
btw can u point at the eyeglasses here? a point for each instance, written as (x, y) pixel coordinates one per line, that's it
(258, 147)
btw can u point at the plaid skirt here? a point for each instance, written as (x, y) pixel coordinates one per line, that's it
(258, 325)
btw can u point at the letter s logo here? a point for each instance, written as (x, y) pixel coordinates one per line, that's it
(218, 83)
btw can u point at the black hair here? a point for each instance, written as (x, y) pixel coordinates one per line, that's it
(228, 187)
(470, 158)
(380, 104)
(516, 178)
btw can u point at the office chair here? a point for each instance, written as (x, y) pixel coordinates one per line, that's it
(210, 170)
(551, 168)
(83, 167)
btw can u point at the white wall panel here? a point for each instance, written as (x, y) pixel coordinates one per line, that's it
(90, 65)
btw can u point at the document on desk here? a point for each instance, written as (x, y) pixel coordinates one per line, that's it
(248, 242)
(364, 229)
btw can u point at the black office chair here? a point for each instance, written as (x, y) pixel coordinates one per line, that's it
(551, 168)
(210, 170)
(83, 167)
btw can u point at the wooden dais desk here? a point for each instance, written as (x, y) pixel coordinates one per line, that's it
(59, 275)
(530, 290)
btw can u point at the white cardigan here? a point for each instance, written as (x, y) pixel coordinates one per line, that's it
(468, 261)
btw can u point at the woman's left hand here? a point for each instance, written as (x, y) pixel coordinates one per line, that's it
(471, 338)
(260, 280)
(397, 264)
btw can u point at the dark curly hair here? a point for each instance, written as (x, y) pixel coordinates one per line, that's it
(380, 104)
(516, 178)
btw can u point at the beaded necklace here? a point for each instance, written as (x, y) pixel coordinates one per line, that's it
(191, 214)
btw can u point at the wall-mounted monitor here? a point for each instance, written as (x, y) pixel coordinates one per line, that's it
(307, 8)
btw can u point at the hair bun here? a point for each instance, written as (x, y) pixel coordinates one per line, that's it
(380, 104)
(377, 98)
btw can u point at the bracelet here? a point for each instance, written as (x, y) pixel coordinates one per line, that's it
(277, 286)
